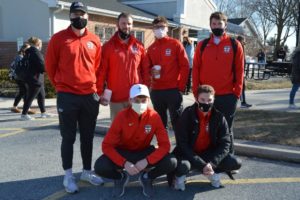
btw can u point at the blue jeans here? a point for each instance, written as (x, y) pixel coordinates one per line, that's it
(295, 88)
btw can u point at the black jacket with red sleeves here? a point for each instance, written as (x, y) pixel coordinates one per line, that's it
(187, 131)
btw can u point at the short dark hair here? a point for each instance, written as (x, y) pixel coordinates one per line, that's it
(124, 15)
(219, 16)
(206, 89)
(160, 19)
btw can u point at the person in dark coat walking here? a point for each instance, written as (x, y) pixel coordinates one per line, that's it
(295, 77)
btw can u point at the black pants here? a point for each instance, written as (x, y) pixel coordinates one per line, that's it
(226, 104)
(189, 82)
(73, 109)
(243, 96)
(34, 91)
(228, 164)
(164, 100)
(21, 93)
(106, 168)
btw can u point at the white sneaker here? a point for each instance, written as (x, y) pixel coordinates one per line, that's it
(26, 118)
(92, 178)
(45, 115)
(293, 106)
(70, 184)
(215, 180)
(180, 183)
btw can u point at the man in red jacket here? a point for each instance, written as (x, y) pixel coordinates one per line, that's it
(127, 148)
(72, 62)
(217, 65)
(122, 56)
(165, 70)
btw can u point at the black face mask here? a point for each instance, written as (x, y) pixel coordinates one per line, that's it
(123, 35)
(218, 31)
(204, 107)
(78, 22)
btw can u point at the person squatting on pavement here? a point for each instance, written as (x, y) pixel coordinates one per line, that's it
(120, 67)
(165, 71)
(72, 62)
(217, 66)
(202, 142)
(127, 148)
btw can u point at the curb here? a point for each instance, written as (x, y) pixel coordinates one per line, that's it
(267, 151)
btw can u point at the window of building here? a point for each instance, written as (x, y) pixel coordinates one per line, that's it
(104, 32)
(139, 35)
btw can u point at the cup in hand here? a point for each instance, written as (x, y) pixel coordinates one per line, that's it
(106, 96)
(156, 71)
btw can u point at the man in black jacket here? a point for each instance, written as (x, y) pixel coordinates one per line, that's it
(203, 142)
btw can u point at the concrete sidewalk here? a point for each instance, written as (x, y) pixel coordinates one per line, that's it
(276, 100)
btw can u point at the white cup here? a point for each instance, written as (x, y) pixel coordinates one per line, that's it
(106, 96)
(157, 68)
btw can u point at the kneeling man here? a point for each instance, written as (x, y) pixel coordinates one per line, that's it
(127, 148)
(203, 142)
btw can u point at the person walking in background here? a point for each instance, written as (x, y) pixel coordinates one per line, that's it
(189, 49)
(261, 56)
(295, 77)
(281, 54)
(72, 63)
(219, 62)
(34, 79)
(120, 66)
(127, 147)
(244, 104)
(165, 71)
(21, 84)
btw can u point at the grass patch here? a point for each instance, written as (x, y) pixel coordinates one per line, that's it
(268, 126)
(273, 83)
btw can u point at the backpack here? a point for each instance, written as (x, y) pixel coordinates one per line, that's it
(21, 68)
(234, 48)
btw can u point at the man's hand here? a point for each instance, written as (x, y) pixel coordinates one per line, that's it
(142, 164)
(103, 101)
(130, 168)
(208, 170)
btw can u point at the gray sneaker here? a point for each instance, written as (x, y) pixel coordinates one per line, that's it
(92, 178)
(147, 185)
(70, 184)
(120, 184)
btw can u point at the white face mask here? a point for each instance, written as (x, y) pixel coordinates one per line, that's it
(160, 33)
(139, 108)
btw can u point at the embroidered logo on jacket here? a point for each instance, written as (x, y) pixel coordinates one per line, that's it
(226, 49)
(90, 45)
(168, 52)
(148, 128)
(134, 49)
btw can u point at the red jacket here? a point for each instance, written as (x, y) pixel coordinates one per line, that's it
(134, 133)
(72, 62)
(215, 67)
(170, 54)
(120, 66)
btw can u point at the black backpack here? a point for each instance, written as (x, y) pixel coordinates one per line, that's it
(21, 68)
(234, 48)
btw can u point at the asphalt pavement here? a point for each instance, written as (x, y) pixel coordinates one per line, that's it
(30, 163)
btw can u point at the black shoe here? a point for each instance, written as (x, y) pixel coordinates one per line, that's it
(120, 184)
(245, 105)
(147, 185)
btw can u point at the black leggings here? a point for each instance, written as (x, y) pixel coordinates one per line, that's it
(106, 168)
(34, 91)
(21, 93)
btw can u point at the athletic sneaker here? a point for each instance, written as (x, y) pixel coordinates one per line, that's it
(15, 110)
(26, 118)
(293, 106)
(147, 185)
(46, 115)
(179, 183)
(245, 105)
(70, 184)
(215, 180)
(92, 178)
(120, 184)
